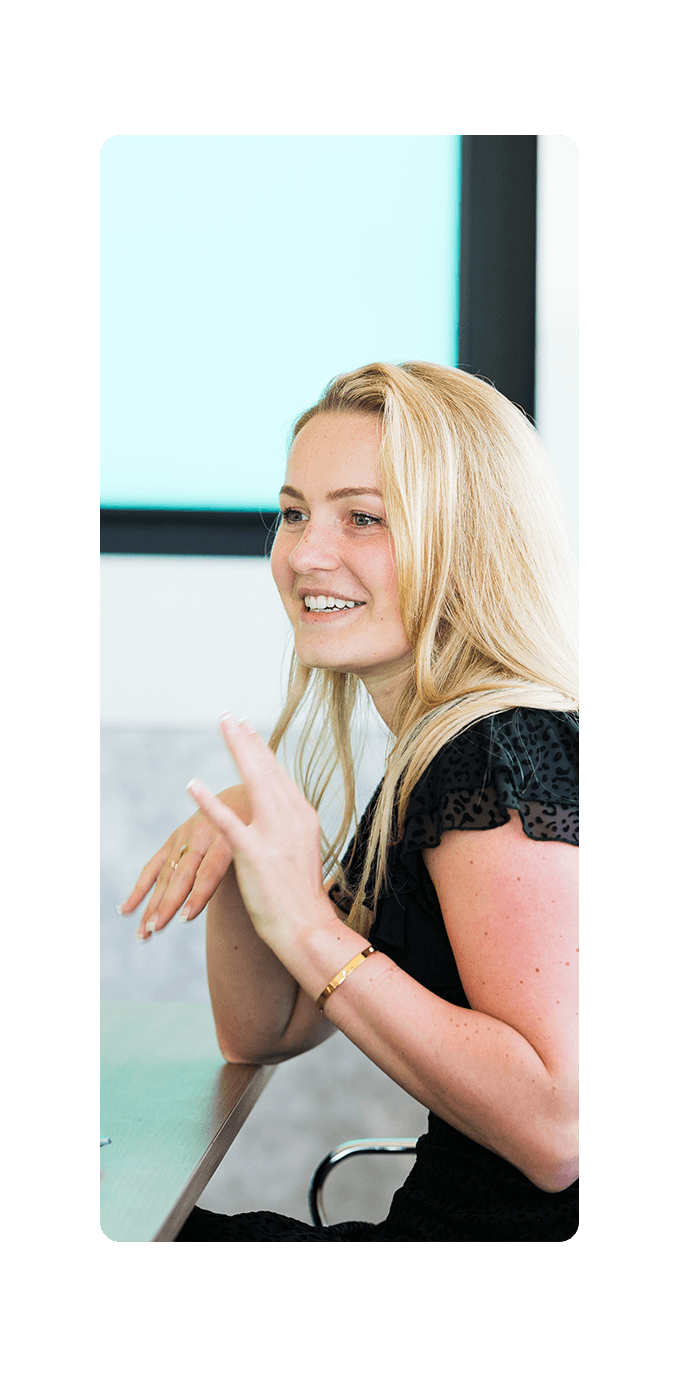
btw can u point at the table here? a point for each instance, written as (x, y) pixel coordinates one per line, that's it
(171, 1108)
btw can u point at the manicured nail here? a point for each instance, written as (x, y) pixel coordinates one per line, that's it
(140, 938)
(118, 909)
(150, 926)
(184, 916)
(229, 723)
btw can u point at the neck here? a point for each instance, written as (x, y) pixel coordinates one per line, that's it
(385, 687)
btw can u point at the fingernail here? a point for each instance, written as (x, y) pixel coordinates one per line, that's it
(229, 723)
(184, 916)
(118, 909)
(140, 938)
(150, 926)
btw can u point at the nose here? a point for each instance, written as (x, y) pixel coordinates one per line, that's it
(316, 549)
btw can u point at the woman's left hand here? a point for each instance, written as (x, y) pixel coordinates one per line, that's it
(277, 857)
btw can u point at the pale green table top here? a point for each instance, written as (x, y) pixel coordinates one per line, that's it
(171, 1108)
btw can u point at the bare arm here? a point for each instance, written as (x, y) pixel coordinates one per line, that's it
(261, 1014)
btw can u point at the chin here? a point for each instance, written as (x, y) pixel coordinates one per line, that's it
(313, 657)
(316, 661)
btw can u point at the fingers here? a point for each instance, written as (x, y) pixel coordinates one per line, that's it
(208, 878)
(189, 867)
(172, 889)
(189, 882)
(172, 870)
(192, 884)
(263, 775)
(146, 879)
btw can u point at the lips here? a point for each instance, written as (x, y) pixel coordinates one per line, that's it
(340, 609)
(326, 607)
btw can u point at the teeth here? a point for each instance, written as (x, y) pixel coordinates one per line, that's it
(326, 604)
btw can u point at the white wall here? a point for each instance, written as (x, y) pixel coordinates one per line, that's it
(557, 350)
(185, 638)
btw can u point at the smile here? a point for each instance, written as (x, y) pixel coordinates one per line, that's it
(329, 604)
(318, 615)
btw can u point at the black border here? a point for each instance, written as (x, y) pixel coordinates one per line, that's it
(497, 269)
(497, 306)
(144, 530)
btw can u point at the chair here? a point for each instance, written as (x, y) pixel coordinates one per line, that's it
(369, 1146)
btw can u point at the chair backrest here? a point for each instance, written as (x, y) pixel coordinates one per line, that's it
(366, 1146)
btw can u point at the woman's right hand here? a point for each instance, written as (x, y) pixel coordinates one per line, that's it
(186, 871)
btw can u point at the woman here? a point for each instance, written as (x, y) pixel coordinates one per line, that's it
(421, 553)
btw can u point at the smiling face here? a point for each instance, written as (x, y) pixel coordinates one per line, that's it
(333, 546)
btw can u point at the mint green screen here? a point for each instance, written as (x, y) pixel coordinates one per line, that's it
(238, 275)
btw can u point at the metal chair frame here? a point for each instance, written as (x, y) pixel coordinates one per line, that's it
(368, 1146)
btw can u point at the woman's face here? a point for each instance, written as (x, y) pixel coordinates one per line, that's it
(333, 544)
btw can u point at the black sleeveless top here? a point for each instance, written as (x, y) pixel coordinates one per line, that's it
(457, 1191)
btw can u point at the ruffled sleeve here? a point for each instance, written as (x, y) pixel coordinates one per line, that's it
(524, 760)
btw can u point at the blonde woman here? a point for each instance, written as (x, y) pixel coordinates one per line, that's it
(421, 554)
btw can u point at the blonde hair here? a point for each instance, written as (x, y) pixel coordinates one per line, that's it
(486, 586)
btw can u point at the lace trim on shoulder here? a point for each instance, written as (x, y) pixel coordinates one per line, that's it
(486, 808)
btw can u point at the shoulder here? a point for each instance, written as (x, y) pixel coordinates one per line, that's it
(524, 759)
(531, 741)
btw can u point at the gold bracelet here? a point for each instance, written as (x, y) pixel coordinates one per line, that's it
(339, 979)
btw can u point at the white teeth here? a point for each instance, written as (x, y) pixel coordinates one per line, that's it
(326, 604)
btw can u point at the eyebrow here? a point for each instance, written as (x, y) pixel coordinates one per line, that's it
(337, 495)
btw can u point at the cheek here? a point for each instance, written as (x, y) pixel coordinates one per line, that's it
(390, 584)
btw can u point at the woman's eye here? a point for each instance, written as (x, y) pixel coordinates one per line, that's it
(293, 516)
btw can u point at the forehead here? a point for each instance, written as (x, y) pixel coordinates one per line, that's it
(344, 446)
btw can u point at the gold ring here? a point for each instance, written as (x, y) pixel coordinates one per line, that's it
(183, 851)
(174, 864)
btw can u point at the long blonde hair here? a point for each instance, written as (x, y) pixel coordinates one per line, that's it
(486, 586)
